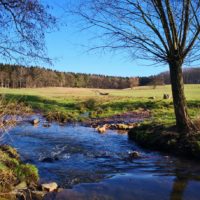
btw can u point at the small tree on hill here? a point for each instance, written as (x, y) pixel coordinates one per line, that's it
(134, 82)
(157, 80)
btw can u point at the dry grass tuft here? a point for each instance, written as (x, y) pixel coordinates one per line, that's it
(10, 112)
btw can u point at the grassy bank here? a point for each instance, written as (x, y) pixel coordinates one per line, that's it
(162, 138)
(13, 173)
(65, 104)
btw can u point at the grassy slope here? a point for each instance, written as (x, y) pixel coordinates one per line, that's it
(71, 102)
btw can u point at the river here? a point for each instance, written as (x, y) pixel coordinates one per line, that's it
(90, 165)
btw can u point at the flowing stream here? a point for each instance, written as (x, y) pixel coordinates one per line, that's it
(90, 165)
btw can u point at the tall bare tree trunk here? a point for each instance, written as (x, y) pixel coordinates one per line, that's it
(183, 122)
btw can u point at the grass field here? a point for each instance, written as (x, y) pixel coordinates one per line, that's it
(192, 92)
(70, 103)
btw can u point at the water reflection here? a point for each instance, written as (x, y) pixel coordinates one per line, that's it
(179, 187)
(96, 165)
(181, 184)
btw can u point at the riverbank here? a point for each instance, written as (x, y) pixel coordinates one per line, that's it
(167, 139)
(15, 176)
(117, 111)
(91, 165)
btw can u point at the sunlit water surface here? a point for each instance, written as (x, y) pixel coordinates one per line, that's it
(98, 166)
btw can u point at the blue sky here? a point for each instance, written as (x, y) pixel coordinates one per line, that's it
(66, 46)
(69, 49)
(69, 55)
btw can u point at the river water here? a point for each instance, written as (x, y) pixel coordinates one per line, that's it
(90, 165)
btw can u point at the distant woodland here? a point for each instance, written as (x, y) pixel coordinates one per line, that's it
(15, 76)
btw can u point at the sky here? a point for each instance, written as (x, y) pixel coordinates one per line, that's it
(69, 50)
(68, 54)
(68, 47)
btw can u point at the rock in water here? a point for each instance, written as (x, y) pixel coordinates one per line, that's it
(49, 159)
(35, 121)
(101, 129)
(134, 154)
(50, 187)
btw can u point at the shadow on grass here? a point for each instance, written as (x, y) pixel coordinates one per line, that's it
(148, 104)
(39, 102)
(145, 104)
(44, 104)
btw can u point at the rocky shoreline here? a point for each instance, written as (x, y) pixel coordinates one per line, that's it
(120, 122)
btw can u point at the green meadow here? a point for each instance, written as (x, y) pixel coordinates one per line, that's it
(65, 104)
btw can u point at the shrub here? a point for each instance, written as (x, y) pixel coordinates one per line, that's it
(91, 104)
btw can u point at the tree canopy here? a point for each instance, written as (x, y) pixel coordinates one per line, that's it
(151, 29)
(23, 25)
(163, 31)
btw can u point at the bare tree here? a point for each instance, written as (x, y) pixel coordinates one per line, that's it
(23, 24)
(164, 31)
(134, 82)
(157, 80)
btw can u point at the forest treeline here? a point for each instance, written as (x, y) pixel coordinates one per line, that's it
(16, 76)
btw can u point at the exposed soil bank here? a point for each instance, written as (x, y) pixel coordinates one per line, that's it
(124, 121)
(160, 138)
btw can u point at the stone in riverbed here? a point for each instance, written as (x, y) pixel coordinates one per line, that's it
(49, 159)
(101, 129)
(46, 125)
(49, 187)
(134, 154)
(38, 195)
(35, 121)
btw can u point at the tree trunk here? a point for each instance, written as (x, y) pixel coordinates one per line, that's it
(183, 122)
